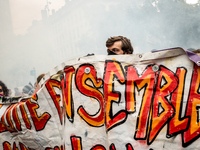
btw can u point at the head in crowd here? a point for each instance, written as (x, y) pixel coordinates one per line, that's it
(197, 51)
(119, 45)
(17, 91)
(28, 89)
(4, 91)
(39, 78)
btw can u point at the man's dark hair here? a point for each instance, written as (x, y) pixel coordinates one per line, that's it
(126, 43)
(39, 78)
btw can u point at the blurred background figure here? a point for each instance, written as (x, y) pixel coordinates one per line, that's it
(3, 89)
(17, 91)
(28, 90)
(197, 51)
(37, 85)
(10, 92)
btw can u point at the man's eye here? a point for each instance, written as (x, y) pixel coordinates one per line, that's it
(115, 50)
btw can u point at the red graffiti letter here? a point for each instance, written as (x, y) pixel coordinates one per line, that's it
(113, 71)
(50, 85)
(66, 86)
(146, 81)
(178, 124)
(162, 110)
(82, 82)
(76, 143)
(192, 109)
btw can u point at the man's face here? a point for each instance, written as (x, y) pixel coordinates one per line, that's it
(116, 48)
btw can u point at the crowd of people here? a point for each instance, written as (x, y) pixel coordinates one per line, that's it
(116, 45)
(26, 90)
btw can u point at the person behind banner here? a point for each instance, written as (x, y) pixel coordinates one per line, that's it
(37, 85)
(119, 45)
(4, 91)
(28, 90)
(17, 92)
(196, 51)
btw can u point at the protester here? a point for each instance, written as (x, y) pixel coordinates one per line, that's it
(17, 92)
(10, 92)
(6, 95)
(37, 85)
(119, 45)
(28, 90)
(4, 91)
(196, 51)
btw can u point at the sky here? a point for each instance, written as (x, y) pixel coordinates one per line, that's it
(192, 1)
(25, 11)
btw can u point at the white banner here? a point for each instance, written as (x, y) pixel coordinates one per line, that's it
(129, 102)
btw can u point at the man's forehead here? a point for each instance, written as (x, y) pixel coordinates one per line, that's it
(116, 44)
